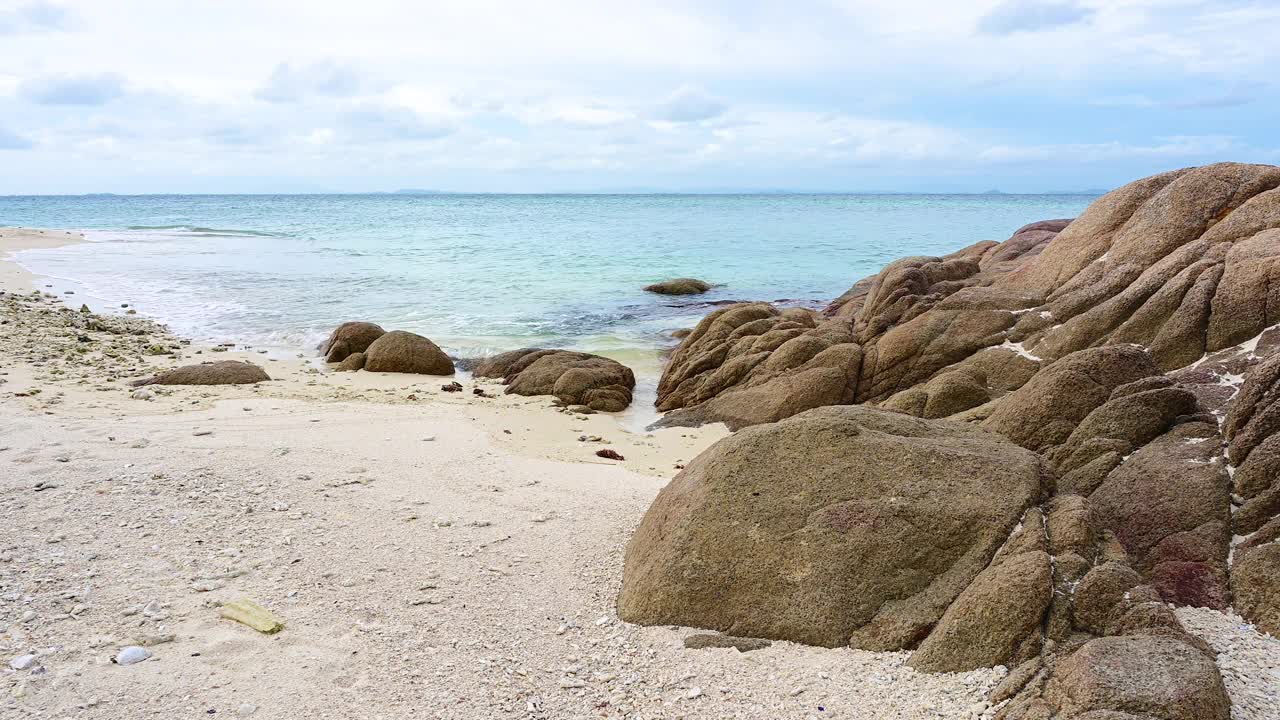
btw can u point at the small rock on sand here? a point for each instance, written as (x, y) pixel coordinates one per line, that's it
(23, 662)
(131, 654)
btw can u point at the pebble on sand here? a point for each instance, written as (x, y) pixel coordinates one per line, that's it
(23, 662)
(131, 654)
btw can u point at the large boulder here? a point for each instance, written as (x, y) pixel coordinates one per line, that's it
(839, 525)
(350, 338)
(679, 286)
(574, 378)
(1164, 678)
(406, 352)
(225, 372)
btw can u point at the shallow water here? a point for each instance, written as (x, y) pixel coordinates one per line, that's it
(484, 273)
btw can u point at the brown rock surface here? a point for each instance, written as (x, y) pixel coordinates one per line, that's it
(225, 372)
(679, 286)
(1171, 486)
(993, 620)
(1255, 586)
(946, 394)
(1162, 677)
(349, 338)
(759, 364)
(352, 363)
(858, 523)
(406, 352)
(1255, 411)
(1046, 410)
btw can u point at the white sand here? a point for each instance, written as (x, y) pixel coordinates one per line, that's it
(426, 563)
(14, 277)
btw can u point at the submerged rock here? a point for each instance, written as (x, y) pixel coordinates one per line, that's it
(225, 372)
(679, 286)
(574, 378)
(406, 352)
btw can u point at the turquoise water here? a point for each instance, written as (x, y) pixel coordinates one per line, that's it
(483, 273)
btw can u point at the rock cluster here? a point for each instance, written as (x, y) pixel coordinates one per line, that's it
(574, 378)
(1178, 263)
(366, 346)
(1096, 437)
(752, 363)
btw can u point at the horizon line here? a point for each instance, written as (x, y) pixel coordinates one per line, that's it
(456, 193)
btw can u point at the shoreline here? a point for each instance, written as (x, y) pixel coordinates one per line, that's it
(549, 434)
(646, 360)
(14, 240)
(431, 554)
(469, 490)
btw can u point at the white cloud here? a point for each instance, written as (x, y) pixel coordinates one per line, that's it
(34, 17)
(391, 123)
(13, 141)
(712, 90)
(1014, 16)
(87, 89)
(690, 104)
(289, 83)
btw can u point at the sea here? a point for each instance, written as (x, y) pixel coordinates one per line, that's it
(480, 274)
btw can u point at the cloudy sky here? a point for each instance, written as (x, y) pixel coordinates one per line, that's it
(589, 95)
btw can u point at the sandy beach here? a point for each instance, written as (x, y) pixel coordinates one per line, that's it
(431, 554)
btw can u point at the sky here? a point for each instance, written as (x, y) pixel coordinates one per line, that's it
(156, 96)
